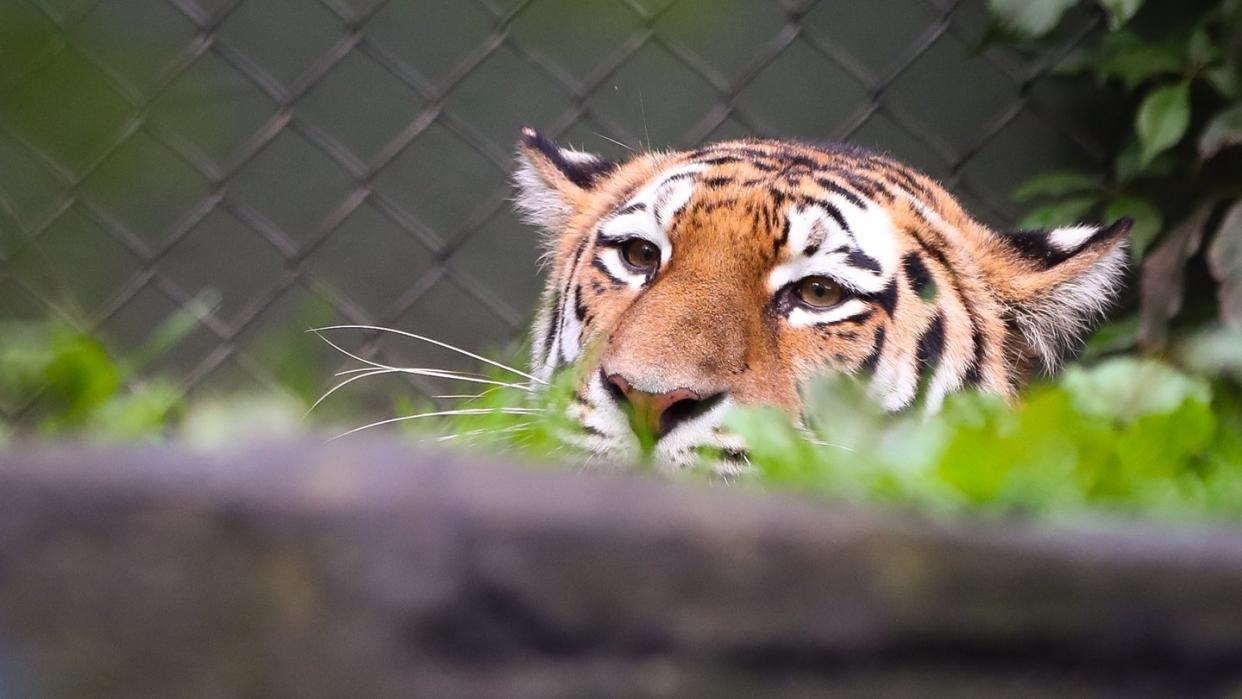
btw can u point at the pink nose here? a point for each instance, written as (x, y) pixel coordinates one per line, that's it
(659, 412)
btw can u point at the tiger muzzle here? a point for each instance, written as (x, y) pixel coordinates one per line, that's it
(659, 413)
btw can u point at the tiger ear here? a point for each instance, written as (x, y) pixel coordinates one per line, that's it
(1065, 279)
(551, 181)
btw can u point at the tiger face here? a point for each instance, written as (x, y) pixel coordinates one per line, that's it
(684, 283)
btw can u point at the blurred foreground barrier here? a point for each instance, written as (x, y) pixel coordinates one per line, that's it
(366, 569)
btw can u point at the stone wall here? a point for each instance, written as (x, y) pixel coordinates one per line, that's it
(365, 569)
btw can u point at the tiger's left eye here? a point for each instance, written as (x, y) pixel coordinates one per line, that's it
(819, 292)
(641, 254)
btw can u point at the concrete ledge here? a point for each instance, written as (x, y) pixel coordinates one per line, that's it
(365, 569)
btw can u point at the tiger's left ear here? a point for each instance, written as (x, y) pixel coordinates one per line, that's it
(1062, 283)
(552, 181)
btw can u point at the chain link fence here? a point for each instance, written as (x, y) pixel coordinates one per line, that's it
(263, 165)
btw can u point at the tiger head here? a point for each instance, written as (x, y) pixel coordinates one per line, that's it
(683, 283)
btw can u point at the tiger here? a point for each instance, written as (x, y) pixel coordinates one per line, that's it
(681, 284)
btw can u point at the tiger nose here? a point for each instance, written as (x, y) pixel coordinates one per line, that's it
(659, 412)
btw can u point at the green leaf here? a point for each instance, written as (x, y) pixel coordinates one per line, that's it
(1200, 50)
(1162, 119)
(1120, 11)
(1131, 59)
(1112, 338)
(1055, 184)
(1223, 131)
(1224, 79)
(1127, 388)
(1129, 164)
(1059, 213)
(1029, 18)
(1148, 221)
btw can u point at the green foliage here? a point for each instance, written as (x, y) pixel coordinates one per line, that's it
(1028, 18)
(1127, 435)
(1178, 172)
(75, 387)
(1162, 119)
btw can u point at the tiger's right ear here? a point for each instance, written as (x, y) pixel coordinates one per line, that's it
(551, 181)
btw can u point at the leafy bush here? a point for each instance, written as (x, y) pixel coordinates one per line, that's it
(76, 388)
(1178, 172)
(1127, 434)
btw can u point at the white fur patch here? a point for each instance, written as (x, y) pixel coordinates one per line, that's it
(896, 380)
(679, 447)
(611, 259)
(1071, 238)
(571, 328)
(802, 317)
(539, 203)
(1062, 314)
(871, 232)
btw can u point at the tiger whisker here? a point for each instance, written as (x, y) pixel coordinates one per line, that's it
(442, 371)
(442, 413)
(343, 384)
(613, 140)
(820, 443)
(418, 371)
(471, 396)
(472, 433)
(439, 374)
(438, 343)
(371, 371)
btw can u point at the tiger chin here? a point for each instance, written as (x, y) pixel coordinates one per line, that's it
(681, 284)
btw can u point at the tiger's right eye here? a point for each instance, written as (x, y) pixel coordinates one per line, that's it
(642, 255)
(819, 292)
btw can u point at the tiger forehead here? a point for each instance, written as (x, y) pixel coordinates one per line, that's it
(752, 196)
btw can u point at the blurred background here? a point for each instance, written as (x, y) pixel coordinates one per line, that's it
(186, 186)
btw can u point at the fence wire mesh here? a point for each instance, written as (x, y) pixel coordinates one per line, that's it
(265, 164)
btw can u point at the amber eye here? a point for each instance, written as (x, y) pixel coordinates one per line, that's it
(641, 254)
(818, 292)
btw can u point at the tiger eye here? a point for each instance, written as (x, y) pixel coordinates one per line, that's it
(641, 254)
(819, 292)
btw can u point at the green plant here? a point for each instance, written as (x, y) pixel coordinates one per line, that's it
(1143, 436)
(77, 388)
(1177, 173)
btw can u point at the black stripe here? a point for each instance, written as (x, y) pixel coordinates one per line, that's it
(918, 275)
(678, 176)
(972, 374)
(583, 174)
(1035, 246)
(636, 206)
(835, 188)
(719, 160)
(783, 238)
(931, 343)
(887, 298)
(835, 213)
(560, 313)
(899, 173)
(973, 371)
(598, 264)
(550, 331)
(580, 311)
(873, 359)
(860, 259)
